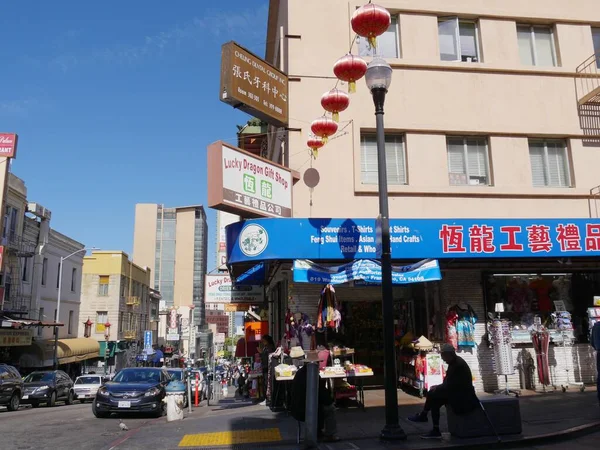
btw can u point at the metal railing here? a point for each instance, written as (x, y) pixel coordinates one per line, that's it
(588, 80)
(20, 247)
(594, 203)
(132, 301)
(130, 335)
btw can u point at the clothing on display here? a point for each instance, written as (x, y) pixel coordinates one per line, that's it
(541, 344)
(328, 305)
(562, 286)
(541, 288)
(460, 326)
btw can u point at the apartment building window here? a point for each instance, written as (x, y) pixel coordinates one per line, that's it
(73, 278)
(536, 45)
(459, 40)
(44, 271)
(468, 162)
(121, 319)
(41, 318)
(549, 163)
(25, 269)
(103, 282)
(58, 275)
(101, 319)
(596, 40)
(394, 155)
(388, 44)
(70, 331)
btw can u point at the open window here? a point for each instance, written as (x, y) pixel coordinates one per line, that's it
(459, 40)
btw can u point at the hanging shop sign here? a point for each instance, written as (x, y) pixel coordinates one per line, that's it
(173, 337)
(246, 185)
(15, 338)
(350, 239)
(8, 145)
(234, 307)
(251, 84)
(365, 270)
(223, 219)
(220, 289)
(148, 340)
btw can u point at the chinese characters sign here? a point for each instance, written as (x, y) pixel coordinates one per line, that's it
(242, 183)
(8, 145)
(350, 239)
(252, 85)
(15, 338)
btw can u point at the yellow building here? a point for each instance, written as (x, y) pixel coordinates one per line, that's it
(117, 291)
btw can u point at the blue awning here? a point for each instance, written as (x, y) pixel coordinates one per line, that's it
(253, 276)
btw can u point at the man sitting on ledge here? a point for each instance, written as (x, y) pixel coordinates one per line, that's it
(456, 392)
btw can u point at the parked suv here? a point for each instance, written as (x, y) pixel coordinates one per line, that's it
(11, 387)
(48, 387)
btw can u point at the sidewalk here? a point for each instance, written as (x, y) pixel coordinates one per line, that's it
(239, 424)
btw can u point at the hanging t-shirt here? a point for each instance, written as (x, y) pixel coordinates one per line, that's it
(541, 289)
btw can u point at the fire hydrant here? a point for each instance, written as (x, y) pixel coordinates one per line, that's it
(175, 400)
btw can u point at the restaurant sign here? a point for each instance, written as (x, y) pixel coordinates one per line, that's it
(253, 85)
(8, 145)
(220, 289)
(15, 338)
(244, 184)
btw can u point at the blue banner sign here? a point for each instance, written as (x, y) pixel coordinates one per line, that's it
(351, 239)
(147, 339)
(365, 270)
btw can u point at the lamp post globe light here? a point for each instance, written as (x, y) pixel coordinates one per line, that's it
(58, 297)
(379, 79)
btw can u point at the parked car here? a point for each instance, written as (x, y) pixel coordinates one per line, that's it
(11, 387)
(86, 387)
(133, 390)
(180, 375)
(48, 386)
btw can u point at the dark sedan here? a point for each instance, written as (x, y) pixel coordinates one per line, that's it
(133, 390)
(47, 387)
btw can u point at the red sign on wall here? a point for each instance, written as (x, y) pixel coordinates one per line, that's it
(8, 145)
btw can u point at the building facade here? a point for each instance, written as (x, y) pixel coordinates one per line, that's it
(117, 292)
(172, 242)
(490, 115)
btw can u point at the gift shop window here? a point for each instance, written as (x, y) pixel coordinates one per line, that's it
(559, 300)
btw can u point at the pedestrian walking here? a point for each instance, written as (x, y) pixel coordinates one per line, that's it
(595, 341)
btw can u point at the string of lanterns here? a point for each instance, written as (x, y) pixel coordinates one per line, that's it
(369, 22)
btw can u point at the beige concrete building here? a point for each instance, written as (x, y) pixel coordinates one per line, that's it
(117, 291)
(172, 242)
(492, 113)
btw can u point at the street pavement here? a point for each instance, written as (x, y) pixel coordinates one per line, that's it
(234, 423)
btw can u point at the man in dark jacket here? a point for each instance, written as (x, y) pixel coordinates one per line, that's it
(456, 391)
(326, 415)
(595, 341)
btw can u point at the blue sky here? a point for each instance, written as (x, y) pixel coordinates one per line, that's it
(115, 102)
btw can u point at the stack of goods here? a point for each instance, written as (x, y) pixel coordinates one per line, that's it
(342, 351)
(285, 370)
(563, 321)
(353, 369)
(333, 371)
(501, 337)
(343, 389)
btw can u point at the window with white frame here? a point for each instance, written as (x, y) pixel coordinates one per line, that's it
(101, 319)
(468, 161)
(388, 44)
(596, 40)
(536, 45)
(549, 163)
(395, 158)
(459, 40)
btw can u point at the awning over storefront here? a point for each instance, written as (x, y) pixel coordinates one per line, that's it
(254, 276)
(41, 353)
(8, 322)
(259, 240)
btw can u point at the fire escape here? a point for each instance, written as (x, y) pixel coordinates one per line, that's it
(17, 251)
(587, 84)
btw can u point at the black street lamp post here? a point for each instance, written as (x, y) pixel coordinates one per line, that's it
(379, 78)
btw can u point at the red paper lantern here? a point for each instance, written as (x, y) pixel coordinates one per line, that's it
(350, 68)
(370, 21)
(335, 101)
(315, 144)
(324, 127)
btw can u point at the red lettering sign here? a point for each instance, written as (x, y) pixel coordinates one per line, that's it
(592, 237)
(481, 238)
(568, 237)
(452, 239)
(539, 238)
(512, 245)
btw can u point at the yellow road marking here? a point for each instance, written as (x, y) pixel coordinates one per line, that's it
(231, 437)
